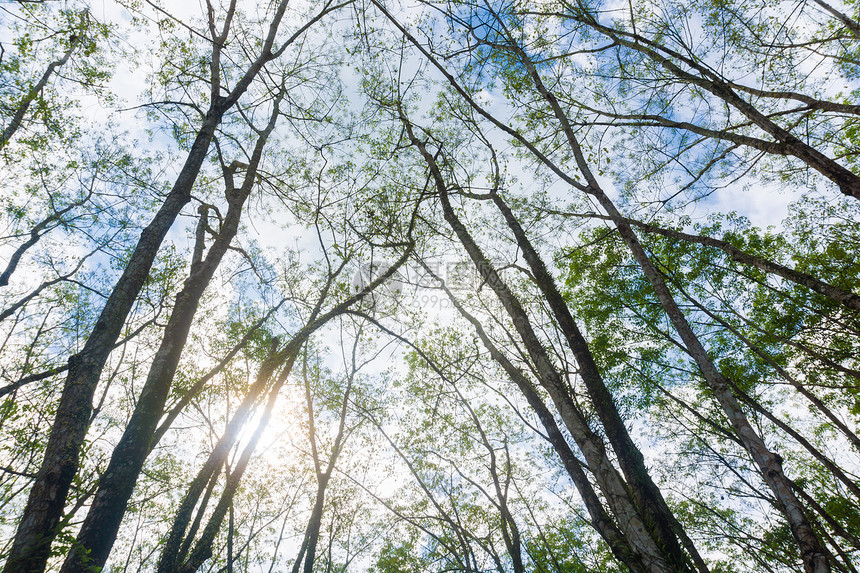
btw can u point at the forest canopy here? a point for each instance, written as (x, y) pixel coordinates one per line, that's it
(430, 286)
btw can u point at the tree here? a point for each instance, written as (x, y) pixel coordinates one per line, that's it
(487, 23)
(449, 286)
(41, 517)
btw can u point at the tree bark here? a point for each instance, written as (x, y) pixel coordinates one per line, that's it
(814, 556)
(600, 519)
(589, 443)
(101, 525)
(649, 499)
(40, 519)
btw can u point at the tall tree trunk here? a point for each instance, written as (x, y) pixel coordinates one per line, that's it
(40, 519)
(173, 556)
(39, 522)
(312, 531)
(178, 539)
(814, 556)
(589, 443)
(307, 553)
(785, 375)
(101, 525)
(648, 497)
(600, 519)
(173, 563)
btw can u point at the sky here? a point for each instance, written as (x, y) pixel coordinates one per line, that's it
(764, 205)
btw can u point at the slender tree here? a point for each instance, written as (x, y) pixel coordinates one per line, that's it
(39, 521)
